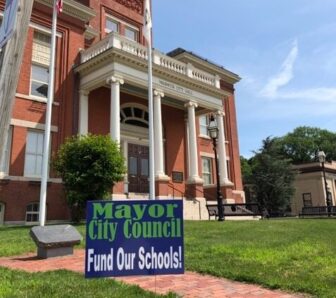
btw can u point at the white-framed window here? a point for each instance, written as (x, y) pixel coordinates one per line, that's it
(228, 169)
(39, 79)
(111, 25)
(32, 213)
(131, 33)
(203, 124)
(134, 115)
(4, 167)
(207, 170)
(34, 153)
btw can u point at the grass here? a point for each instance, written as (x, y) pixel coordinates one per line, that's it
(64, 284)
(295, 255)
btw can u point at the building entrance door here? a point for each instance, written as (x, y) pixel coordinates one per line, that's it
(138, 168)
(2, 213)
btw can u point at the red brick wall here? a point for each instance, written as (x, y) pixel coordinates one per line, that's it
(174, 147)
(117, 10)
(17, 195)
(231, 123)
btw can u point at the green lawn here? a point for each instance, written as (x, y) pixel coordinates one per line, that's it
(295, 255)
(64, 284)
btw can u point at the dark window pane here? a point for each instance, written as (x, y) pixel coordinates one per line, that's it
(133, 166)
(112, 26)
(128, 112)
(144, 167)
(137, 113)
(137, 123)
(40, 73)
(39, 89)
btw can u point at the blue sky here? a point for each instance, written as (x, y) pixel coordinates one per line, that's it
(284, 51)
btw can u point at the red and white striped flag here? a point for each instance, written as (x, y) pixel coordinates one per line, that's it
(59, 5)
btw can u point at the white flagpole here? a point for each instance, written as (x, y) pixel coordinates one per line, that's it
(151, 126)
(147, 34)
(50, 99)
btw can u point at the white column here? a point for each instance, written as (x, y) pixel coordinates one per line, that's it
(187, 145)
(193, 157)
(158, 139)
(83, 112)
(115, 83)
(223, 172)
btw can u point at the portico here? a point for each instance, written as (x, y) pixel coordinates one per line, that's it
(181, 91)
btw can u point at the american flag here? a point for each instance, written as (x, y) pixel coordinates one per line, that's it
(59, 5)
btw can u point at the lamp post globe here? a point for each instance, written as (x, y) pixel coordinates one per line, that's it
(321, 156)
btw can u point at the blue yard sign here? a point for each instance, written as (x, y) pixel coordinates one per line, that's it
(134, 238)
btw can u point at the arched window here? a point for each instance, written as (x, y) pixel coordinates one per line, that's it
(134, 114)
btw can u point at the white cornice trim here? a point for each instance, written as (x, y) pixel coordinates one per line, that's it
(35, 98)
(30, 124)
(73, 9)
(43, 29)
(28, 179)
(115, 55)
(90, 32)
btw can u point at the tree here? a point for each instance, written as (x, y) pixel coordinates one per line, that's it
(302, 145)
(246, 169)
(272, 177)
(89, 166)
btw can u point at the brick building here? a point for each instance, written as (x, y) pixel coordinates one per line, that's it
(101, 88)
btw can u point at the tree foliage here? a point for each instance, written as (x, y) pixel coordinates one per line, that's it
(246, 169)
(268, 175)
(89, 167)
(302, 145)
(272, 177)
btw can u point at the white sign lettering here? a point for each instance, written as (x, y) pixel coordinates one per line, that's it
(175, 87)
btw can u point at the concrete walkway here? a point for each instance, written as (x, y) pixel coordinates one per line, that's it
(190, 284)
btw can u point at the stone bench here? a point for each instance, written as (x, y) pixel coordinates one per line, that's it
(55, 241)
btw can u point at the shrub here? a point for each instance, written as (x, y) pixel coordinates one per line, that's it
(89, 166)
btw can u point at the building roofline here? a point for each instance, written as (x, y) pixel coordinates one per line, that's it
(330, 167)
(180, 52)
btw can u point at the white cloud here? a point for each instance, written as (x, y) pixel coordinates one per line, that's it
(284, 76)
(273, 88)
(313, 94)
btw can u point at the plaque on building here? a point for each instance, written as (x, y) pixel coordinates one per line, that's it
(177, 176)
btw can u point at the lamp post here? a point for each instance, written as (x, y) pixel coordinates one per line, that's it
(213, 132)
(322, 159)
